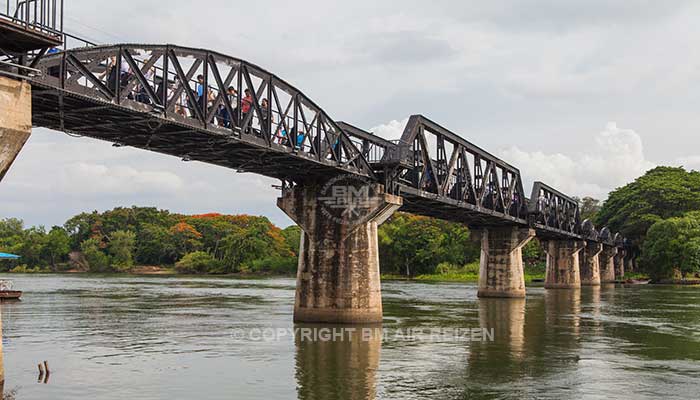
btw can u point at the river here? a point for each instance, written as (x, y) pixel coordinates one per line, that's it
(117, 337)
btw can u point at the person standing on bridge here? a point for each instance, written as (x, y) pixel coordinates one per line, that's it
(199, 86)
(112, 70)
(266, 116)
(226, 120)
(246, 103)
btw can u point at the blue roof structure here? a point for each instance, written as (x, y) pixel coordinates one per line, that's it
(8, 256)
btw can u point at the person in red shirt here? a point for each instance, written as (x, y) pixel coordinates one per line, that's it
(246, 103)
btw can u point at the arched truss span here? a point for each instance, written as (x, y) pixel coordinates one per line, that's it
(149, 96)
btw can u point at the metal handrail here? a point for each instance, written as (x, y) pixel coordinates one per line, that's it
(32, 71)
(45, 16)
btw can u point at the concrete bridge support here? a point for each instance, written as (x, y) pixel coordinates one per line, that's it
(589, 264)
(15, 120)
(607, 264)
(619, 263)
(15, 128)
(562, 264)
(338, 272)
(501, 266)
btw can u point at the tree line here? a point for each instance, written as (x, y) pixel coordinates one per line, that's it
(659, 212)
(118, 240)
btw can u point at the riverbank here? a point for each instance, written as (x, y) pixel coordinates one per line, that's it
(147, 270)
(468, 273)
(451, 277)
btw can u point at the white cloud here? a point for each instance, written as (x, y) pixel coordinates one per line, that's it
(689, 162)
(616, 158)
(119, 179)
(391, 130)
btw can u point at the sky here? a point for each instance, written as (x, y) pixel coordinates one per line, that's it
(582, 95)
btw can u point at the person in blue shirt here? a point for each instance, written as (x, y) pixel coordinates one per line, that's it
(201, 101)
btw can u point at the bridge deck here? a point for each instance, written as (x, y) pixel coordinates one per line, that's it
(20, 38)
(86, 116)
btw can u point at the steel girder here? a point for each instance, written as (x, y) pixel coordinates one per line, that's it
(151, 102)
(148, 98)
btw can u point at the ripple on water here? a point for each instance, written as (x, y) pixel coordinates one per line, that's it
(114, 337)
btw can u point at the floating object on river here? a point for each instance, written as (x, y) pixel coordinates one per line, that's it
(44, 372)
(6, 292)
(637, 281)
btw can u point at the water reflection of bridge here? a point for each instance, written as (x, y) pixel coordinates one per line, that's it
(541, 338)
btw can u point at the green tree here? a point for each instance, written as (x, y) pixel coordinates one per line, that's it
(673, 245)
(96, 258)
(155, 245)
(82, 227)
(32, 246)
(11, 235)
(121, 249)
(197, 262)
(213, 227)
(11, 227)
(240, 247)
(588, 207)
(661, 193)
(185, 238)
(412, 245)
(292, 238)
(57, 246)
(532, 252)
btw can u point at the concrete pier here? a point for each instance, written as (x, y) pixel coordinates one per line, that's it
(562, 264)
(501, 265)
(15, 128)
(15, 120)
(338, 271)
(589, 264)
(607, 264)
(619, 264)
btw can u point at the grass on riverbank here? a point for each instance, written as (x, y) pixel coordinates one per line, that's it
(467, 273)
(137, 270)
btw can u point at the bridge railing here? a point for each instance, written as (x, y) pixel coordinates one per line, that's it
(550, 208)
(435, 160)
(44, 16)
(377, 150)
(210, 91)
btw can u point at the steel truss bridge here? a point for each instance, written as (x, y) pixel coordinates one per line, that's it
(152, 97)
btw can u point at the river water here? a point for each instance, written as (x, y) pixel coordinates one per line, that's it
(108, 337)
